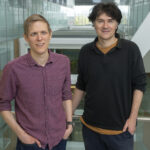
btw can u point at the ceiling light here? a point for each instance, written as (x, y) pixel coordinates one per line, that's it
(96, 1)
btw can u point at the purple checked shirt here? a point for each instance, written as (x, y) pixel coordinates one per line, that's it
(38, 92)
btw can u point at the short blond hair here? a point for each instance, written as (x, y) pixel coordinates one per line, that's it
(33, 18)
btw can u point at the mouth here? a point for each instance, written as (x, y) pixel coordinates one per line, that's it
(40, 44)
(105, 31)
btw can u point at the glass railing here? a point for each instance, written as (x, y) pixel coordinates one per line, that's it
(4, 135)
(14, 12)
(75, 142)
(141, 136)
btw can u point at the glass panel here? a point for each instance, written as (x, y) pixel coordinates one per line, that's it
(138, 11)
(2, 21)
(13, 13)
(4, 135)
(142, 135)
(145, 106)
(73, 56)
(6, 53)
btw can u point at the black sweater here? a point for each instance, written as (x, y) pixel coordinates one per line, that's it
(109, 81)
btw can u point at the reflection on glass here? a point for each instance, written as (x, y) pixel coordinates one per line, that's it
(4, 135)
(73, 56)
(13, 13)
(145, 106)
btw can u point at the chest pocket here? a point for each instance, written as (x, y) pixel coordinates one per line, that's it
(55, 85)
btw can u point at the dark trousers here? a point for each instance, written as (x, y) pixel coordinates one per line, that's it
(61, 145)
(96, 141)
(21, 146)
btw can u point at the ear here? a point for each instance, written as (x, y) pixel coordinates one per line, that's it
(117, 27)
(50, 35)
(93, 24)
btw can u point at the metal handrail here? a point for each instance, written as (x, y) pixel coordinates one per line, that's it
(143, 118)
(139, 118)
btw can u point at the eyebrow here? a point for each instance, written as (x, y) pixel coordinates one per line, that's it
(104, 19)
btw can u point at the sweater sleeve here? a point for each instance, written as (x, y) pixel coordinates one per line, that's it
(81, 72)
(138, 71)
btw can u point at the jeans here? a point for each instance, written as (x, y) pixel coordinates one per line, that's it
(96, 141)
(21, 146)
(61, 145)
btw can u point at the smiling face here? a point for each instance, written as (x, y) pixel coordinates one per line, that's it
(38, 37)
(105, 27)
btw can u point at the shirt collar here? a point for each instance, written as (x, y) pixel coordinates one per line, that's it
(119, 41)
(118, 46)
(32, 62)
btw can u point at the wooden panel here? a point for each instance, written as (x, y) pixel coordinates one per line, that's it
(16, 48)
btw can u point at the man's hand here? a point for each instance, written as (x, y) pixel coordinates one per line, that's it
(131, 121)
(130, 125)
(68, 131)
(21, 134)
(28, 139)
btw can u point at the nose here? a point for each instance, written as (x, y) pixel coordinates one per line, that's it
(105, 24)
(39, 36)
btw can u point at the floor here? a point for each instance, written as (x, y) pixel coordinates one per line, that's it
(75, 146)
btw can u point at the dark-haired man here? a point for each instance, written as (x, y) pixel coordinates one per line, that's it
(40, 84)
(112, 76)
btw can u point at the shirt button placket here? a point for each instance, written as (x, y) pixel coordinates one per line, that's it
(45, 105)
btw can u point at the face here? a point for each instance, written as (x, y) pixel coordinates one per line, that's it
(105, 27)
(38, 38)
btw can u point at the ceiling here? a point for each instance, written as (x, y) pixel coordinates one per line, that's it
(93, 2)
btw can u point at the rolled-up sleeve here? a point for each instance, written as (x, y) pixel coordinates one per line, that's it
(66, 91)
(7, 88)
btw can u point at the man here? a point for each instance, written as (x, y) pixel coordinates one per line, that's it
(40, 84)
(112, 76)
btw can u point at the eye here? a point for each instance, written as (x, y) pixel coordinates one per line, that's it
(100, 21)
(33, 34)
(111, 21)
(44, 32)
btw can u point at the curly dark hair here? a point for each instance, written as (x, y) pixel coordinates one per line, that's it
(109, 8)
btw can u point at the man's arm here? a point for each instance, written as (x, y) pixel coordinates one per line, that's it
(77, 96)
(131, 121)
(7, 93)
(22, 135)
(67, 104)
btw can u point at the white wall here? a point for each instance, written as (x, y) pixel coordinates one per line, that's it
(142, 39)
(58, 43)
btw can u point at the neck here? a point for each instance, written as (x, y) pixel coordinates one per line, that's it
(40, 59)
(106, 43)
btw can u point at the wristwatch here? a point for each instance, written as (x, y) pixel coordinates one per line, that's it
(70, 123)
